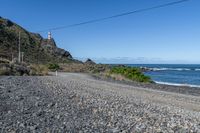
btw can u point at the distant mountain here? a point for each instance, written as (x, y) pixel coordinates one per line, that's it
(36, 49)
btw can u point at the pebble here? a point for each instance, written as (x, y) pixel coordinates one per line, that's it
(79, 103)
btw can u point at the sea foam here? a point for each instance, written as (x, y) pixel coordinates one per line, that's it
(176, 84)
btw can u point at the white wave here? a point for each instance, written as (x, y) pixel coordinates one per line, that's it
(197, 69)
(159, 69)
(182, 69)
(176, 84)
(171, 69)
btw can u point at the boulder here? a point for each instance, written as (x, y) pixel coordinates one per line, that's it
(62, 53)
(21, 70)
(89, 61)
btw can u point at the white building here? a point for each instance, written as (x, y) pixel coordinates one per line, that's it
(49, 35)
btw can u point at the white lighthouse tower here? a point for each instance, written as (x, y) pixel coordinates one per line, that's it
(49, 35)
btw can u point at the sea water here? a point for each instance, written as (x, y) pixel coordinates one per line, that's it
(172, 74)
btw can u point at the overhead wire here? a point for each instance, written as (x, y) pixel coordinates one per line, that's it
(116, 16)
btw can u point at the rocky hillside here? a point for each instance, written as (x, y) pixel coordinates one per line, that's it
(36, 49)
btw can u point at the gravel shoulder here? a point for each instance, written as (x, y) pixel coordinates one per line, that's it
(73, 102)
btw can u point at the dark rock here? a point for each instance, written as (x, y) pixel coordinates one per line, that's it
(21, 69)
(9, 23)
(121, 65)
(89, 61)
(48, 43)
(145, 69)
(62, 53)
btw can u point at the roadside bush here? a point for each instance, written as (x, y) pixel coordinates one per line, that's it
(130, 73)
(53, 67)
(40, 70)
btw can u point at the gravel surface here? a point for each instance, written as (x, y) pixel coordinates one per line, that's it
(79, 103)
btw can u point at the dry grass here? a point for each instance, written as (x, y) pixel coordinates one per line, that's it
(3, 60)
(117, 77)
(5, 69)
(83, 68)
(38, 69)
(74, 67)
(4, 72)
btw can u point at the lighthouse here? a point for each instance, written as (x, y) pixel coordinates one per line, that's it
(49, 35)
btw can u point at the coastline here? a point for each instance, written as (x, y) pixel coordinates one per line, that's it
(177, 84)
(182, 89)
(186, 75)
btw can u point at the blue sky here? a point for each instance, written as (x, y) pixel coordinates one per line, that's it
(165, 35)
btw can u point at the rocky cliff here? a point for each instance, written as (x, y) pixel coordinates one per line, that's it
(36, 49)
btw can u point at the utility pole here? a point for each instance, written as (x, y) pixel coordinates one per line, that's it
(19, 56)
(12, 54)
(22, 57)
(12, 57)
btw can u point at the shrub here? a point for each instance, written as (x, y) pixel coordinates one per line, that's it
(130, 73)
(53, 67)
(40, 70)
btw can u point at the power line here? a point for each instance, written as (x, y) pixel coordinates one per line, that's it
(116, 16)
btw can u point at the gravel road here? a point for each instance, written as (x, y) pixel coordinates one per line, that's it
(79, 103)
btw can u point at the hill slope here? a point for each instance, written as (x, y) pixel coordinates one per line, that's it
(36, 49)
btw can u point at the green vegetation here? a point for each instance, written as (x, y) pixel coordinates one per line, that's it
(53, 66)
(130, 73)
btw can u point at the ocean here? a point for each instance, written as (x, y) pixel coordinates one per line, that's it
(173, 74)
